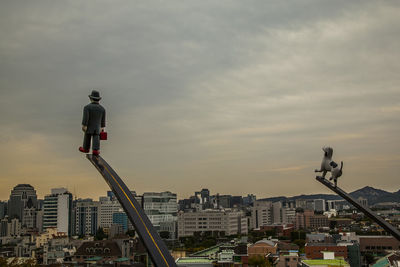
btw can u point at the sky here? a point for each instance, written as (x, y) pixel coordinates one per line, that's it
(235, 96)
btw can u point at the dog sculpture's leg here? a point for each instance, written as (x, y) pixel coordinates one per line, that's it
(324, 173)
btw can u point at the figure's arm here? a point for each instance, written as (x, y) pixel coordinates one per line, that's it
(103, 120)
(85, 119)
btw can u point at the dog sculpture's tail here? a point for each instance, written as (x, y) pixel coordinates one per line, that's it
(341, 166)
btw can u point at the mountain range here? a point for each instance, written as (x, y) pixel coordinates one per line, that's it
(373, 196)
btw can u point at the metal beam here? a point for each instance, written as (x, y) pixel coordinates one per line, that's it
(384, 224)
(156, 248)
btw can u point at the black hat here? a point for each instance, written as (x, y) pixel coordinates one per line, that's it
(95, 95)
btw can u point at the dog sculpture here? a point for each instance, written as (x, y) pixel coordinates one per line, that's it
(336, 171)
(328, 165)
(326, 160)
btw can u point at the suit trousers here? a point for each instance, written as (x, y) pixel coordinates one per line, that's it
(96, 141)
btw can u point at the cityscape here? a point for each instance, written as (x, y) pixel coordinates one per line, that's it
(204, 133)
(206, 229)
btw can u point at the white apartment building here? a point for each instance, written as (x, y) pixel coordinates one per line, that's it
(262, 213)
(160, 207)
(107, 208)
(86, 216)
(230, 222)
(290, 215)
(57, 209)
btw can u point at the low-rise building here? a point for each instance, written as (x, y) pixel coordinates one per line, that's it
(288, 259)
(262, 248)
(100, 252)
(378, 244)
(229, 222)
(316, 250)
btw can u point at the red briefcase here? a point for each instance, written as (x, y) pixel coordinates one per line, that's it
(103, 135)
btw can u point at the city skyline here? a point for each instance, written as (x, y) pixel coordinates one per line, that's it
(235, 97)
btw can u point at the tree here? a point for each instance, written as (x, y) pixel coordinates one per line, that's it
(369, 258)
(130, 233)
(301, 243)
(257, 261)
(100, 235)
(164, 234)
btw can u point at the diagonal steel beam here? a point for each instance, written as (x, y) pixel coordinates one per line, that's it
(156, 247)
(367, 211)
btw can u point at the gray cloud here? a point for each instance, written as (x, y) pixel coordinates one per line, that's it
(201, 94)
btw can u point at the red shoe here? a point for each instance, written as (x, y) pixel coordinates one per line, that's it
(96, 152)
(81, 149)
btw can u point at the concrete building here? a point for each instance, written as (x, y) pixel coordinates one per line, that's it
(229, 222)
(262, 248)
(86, 216)
(261, 213)
(278, 213)
(162, 208)
(300, 203)
(308, 220)
(101, 252)
(315, 250)
(56, 249)
(121, 218)
(10, 227)
(3, 209)
(289, 215)
(363, 201)
(18, 199)
(39, 220)
(267, 213)
(319, 205)
(378, 244)
(57, 210)
(107, 207)
(29, 215)
(249, 200)
(4, 227)
(288, 259)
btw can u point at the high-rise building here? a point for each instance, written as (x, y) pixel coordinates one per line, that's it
(107, 207)
(18, 199)
(290, 215)
(319, 205)
(261, 213)
(57, 210)
(121, 218)
(4, 229)
(29, 215)
(86, 216)
(278, 213)
(205, 196)
(161, 208)
(3, 209)
(249, 200)
(363, 201)
(224, 201)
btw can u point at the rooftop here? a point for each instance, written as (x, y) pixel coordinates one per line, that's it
(335, 262)
(193, 260)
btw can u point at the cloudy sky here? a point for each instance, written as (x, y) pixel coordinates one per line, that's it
(234, 96)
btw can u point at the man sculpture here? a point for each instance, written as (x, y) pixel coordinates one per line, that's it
(93, 121)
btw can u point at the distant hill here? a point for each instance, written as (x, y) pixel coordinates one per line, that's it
(376, 195)
(373, 196)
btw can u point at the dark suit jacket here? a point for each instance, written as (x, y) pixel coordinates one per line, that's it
(94, 117)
